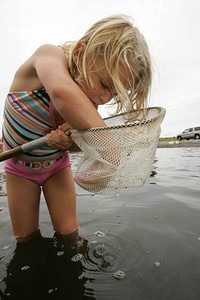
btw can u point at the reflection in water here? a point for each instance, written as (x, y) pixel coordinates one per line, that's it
(65, 268)
(44, 268)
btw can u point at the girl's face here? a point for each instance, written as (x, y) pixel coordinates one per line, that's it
(101, 91)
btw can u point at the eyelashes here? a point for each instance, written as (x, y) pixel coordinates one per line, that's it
(104, 85)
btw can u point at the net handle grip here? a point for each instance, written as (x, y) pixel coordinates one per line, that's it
(27, 147)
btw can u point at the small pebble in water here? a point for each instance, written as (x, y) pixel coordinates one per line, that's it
(50, 291)
(157, 264)
(60, 253)
(8, 294)
(119, 275)
(25, 268)
(99, 233)
(6, 247)
(77, 257)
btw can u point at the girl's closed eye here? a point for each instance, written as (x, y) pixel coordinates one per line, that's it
(109, 87)
(104, 85)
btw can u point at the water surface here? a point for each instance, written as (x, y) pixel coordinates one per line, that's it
(151, 235)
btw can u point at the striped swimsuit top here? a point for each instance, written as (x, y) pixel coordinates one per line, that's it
(28, 115)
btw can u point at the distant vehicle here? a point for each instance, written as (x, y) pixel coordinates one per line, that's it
(190, 133)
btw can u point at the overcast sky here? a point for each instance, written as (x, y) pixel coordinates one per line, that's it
(171, 28)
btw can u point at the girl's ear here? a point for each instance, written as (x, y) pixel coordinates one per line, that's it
(79, 49)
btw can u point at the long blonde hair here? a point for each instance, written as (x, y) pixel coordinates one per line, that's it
(122, 47)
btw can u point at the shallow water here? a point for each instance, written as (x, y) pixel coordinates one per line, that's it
(151, 235)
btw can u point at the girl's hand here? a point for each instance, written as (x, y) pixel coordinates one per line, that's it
(58, 139)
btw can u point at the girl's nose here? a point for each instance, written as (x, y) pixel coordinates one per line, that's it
(105, 97)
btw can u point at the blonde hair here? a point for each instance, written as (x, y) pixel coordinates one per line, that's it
(122, 48)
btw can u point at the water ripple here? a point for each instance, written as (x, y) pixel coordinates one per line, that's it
(118, 252)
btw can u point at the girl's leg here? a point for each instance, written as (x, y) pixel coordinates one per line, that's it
(60, 195)
(23, 200)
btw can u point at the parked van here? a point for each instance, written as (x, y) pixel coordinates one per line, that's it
(190, 133)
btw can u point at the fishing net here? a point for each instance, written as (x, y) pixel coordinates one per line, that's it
(118, 157)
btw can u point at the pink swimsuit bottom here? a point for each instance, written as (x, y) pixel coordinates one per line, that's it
(37, 171)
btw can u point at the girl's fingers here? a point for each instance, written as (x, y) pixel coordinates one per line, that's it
(58, 139)
(64, 127)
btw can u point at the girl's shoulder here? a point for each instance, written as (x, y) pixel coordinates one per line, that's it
(27, 75)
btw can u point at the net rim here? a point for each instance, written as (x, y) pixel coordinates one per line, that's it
(161, 111)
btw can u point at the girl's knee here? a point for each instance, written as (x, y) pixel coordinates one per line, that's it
(24, 239)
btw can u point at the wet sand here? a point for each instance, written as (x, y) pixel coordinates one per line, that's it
(152, 235)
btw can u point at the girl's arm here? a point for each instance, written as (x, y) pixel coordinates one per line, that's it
(69, 100)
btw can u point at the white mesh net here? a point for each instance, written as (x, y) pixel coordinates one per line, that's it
(118, 157)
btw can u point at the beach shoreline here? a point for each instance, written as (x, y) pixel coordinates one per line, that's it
(179, 144)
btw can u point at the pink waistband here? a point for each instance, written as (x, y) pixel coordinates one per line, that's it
(37, 165)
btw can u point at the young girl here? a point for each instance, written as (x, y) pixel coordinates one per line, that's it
(59, 88)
